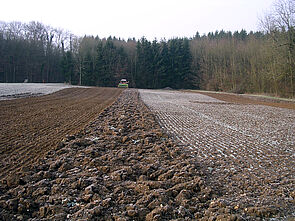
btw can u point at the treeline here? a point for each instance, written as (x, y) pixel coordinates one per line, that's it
(31, 51)
(103, 62)
(240, 62)
(95, 62)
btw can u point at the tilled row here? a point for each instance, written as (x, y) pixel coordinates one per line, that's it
(30, 127)
(120, 167)
(248, 149)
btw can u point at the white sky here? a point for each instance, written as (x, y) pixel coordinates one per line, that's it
(137, 18)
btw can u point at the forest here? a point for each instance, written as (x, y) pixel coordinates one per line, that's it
(239, 62)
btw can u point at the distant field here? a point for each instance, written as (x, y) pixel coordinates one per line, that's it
(17, 90)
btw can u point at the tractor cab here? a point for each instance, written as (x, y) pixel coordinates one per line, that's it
(123, 83)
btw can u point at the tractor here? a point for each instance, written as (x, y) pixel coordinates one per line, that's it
(123, 83)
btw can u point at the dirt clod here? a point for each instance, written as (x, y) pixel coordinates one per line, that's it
(119, 167)
(246, 147)
(123, 166)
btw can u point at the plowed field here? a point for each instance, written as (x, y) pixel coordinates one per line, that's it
(248, 99)
(119, 167)
(232, 159)
(248, 147)
(30, 127)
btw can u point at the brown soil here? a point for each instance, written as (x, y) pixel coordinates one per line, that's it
(32, 126)
(248, 150)
(241, 99)
(120, 167)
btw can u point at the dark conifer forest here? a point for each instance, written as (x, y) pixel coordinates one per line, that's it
(239, 62)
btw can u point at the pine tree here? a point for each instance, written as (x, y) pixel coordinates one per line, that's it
(88, 74)
(164, 67)
(99, 65)
(68, 67)
(144, 64)
(187, 77)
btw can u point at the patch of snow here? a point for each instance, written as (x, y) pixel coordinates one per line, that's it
(17, 90)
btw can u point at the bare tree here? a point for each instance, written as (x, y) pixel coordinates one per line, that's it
(284, 12)
(279, 24)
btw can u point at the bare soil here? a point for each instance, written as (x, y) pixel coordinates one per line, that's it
(119, 167)
(32, 126)
(248, 149)
(243, 99)
(122, 161)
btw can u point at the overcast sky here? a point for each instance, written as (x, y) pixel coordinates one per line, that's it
(137, 18)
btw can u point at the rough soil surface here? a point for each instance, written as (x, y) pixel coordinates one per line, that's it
(30, 127)
(120, 167)
(123, 166)
(247, 148)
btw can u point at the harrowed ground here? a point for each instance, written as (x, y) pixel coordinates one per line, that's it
(110, 154)
(247, 146)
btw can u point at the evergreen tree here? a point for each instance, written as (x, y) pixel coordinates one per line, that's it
(164, 67)
(144, 64)
(99, 65)
(187, 78)
(155, 47)
(68, 67)
(88, 74)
